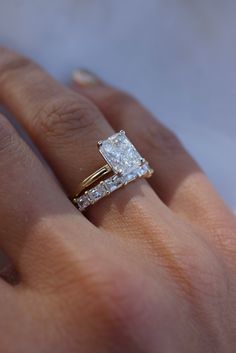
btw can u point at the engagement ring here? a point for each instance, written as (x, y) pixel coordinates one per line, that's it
(125, 165)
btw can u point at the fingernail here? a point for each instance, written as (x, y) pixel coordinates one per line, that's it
(84, 78)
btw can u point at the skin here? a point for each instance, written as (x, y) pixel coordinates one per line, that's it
(149, 269)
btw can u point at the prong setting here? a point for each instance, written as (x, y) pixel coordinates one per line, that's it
(142, 161)
(120, 154)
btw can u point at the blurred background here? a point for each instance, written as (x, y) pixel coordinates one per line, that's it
(177, 56)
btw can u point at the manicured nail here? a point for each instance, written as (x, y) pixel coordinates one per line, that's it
(84, 78)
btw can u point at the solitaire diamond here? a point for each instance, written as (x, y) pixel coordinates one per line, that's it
(120, 153)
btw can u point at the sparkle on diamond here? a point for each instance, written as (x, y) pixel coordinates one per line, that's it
(120, 153)
(97, 193)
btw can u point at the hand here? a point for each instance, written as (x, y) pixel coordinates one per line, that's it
(151, 268)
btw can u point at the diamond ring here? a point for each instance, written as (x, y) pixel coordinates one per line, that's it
(125, 165)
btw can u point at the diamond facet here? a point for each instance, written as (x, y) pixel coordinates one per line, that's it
(120, 153)
(113, 183)
(97, 193)
(131, 176)
(82, 202)
(144, 170)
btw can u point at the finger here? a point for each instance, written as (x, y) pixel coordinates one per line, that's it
(55, 118)
(178, 180)
(30, 200)
(65, 126)
(15, 315)
(7, 298)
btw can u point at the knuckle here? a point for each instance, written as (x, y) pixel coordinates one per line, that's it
(11, 147)
(11, 62)
(118, 101)
(158, 137)
(224, 231)
(169, 139)
(66, 117)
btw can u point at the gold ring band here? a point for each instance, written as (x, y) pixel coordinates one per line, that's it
(93, 178)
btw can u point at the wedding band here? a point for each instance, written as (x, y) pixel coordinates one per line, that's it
(123, 162)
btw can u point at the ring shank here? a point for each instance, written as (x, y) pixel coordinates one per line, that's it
(93, 178)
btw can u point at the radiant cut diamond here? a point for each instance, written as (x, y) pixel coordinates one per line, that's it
(120, 153)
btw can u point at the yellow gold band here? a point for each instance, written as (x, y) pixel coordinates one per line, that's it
(93, 178)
